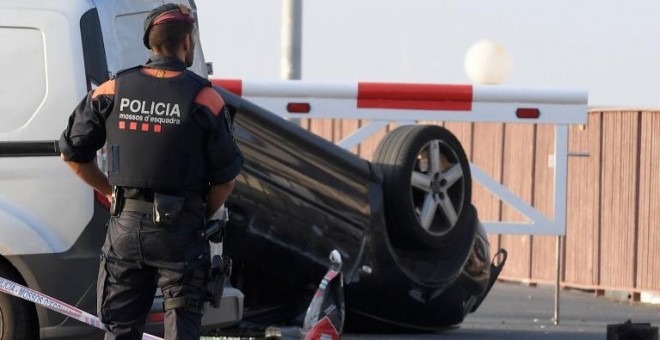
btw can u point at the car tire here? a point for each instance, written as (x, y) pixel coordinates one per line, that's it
(18, 319)
(426, 185)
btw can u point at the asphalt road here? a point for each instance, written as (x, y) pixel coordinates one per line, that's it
(514, 311)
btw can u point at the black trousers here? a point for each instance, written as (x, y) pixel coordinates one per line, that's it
(139, 256)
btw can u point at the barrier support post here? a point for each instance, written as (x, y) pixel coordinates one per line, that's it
(555, 318)
(560, 193)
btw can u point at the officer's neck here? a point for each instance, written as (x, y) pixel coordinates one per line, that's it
(181, 55)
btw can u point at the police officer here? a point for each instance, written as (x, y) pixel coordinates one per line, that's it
(171, 163)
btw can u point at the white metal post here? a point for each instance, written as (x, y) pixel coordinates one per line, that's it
(555, 318)
(560, 199)
(561, 172)
(362, 134)
(291, 39)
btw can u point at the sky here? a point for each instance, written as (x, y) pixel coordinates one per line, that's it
(609, 47)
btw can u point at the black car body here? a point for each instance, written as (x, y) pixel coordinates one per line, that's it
(300, 196)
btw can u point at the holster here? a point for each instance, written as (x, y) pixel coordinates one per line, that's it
(214, 231)
(219, 272)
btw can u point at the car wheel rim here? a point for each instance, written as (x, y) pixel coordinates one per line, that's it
(437, 185)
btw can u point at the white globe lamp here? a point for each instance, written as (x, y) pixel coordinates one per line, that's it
(487, 63)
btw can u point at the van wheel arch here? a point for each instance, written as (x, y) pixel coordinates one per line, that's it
(18, 318)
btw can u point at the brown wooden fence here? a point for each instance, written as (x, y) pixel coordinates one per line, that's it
(613, 232)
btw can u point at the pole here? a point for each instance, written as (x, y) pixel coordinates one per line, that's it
(290, 67)
(560, 197)
(557, 282)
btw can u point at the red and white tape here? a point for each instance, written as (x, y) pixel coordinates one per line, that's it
(25, 293)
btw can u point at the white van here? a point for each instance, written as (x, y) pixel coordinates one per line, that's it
(52, 225)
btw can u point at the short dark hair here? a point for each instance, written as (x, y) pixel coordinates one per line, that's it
(169, 36)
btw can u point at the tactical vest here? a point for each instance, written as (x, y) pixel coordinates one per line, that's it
(152, 140)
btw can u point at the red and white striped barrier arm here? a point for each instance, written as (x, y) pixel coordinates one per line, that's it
(401, 101)
(25, 293)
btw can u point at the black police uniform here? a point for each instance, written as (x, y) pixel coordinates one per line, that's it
(160, 142)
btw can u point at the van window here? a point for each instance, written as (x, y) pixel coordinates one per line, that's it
(127, 25)
(134, 52)
(22, 75)
(96, 65)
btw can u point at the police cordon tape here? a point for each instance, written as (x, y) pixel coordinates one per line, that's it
(25, 293)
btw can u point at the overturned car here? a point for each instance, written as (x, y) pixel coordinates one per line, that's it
(415, 254)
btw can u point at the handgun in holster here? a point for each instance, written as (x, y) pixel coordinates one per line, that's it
(219, 272)
(214, 230)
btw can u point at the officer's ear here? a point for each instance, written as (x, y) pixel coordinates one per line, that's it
(187, 43)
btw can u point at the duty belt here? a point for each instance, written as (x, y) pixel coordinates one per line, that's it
(138, 206)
